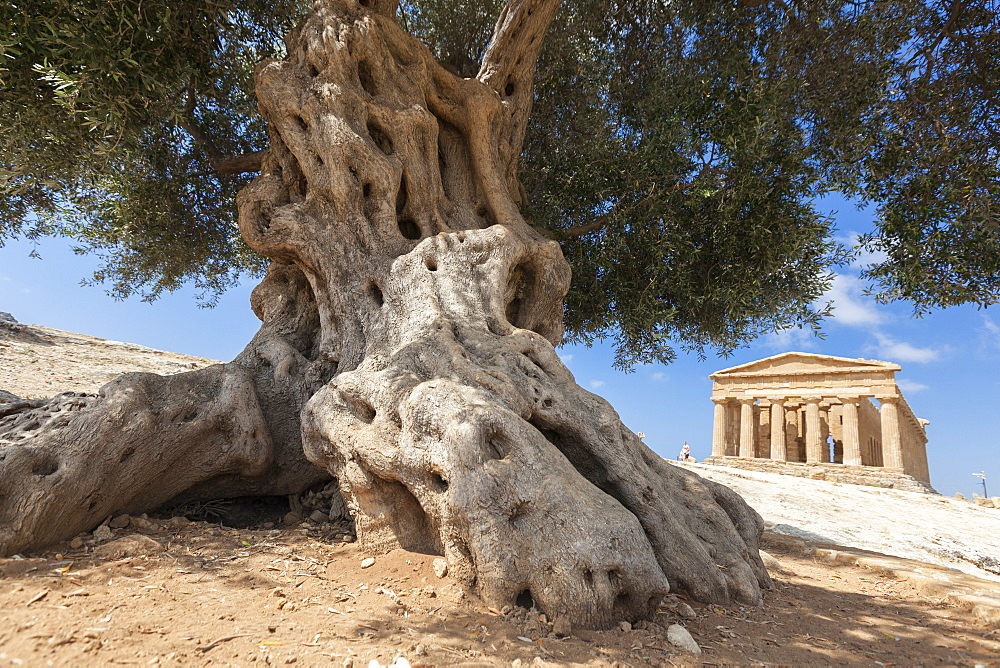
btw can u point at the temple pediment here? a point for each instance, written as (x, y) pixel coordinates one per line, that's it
(795, 363)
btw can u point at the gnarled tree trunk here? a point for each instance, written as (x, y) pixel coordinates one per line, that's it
(410, 317)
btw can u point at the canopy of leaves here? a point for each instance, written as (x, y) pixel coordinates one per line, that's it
(112, 114)
(675, 149)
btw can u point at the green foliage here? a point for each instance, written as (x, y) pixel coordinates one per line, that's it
(93, 95)
(675, 149)
(935, 165)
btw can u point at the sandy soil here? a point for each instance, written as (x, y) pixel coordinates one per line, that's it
(179, 593)
(175, 593)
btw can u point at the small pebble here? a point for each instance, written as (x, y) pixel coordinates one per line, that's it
(686, 611)
(624, 626)
(562, 627)
(367, 562)
(120, 522)
(103, 533)
(440, 567)
(319, 517)
(76, 543)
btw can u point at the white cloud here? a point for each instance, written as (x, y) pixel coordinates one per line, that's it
(900, 351)
(4, 278)
(790, 339)
(991, 330)
(566, 359)
(850, 306)
(596, 384)
(910, 385)
(658, 375)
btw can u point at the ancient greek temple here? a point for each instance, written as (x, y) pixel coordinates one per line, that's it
(817, 410)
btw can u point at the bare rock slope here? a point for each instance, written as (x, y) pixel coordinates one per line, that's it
(930, 528)
(38, 362)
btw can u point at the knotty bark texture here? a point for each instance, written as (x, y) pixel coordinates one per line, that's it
(451, 423)
(410, 315)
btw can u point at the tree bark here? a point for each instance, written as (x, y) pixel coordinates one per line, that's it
(409, 323)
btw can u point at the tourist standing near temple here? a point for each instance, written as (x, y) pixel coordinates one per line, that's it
(685, 455)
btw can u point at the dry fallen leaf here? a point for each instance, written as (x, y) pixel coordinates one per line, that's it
(38, 597)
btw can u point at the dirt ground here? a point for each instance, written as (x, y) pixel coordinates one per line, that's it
(180, 593)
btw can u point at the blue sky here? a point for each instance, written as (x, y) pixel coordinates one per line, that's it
(950, 359)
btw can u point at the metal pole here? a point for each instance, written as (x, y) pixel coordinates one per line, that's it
(982, 477)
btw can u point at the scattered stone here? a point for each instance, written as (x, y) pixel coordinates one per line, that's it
(103, 533)
(420, 650)
(624, 627)
(686, 611)
(679, 637)
(291, 519)
(440, 567)
(319, 517)
(76, 543)
(143, 524)
(652, 627)
(120, 522)
(400, 662)
(134, 545)
(367, 562)
(562, 627)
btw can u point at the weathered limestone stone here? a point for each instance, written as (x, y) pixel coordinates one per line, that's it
(817, 410)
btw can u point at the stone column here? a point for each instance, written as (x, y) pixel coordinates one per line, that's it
(719, 428)
(778, 451)
(852, 436)
(892, 447)
(814, 442)
(792, 445)
(746, 427)
(825, 433)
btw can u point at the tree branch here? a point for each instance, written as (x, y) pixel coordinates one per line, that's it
(508, 68)
(219, 162)
(517, 40)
